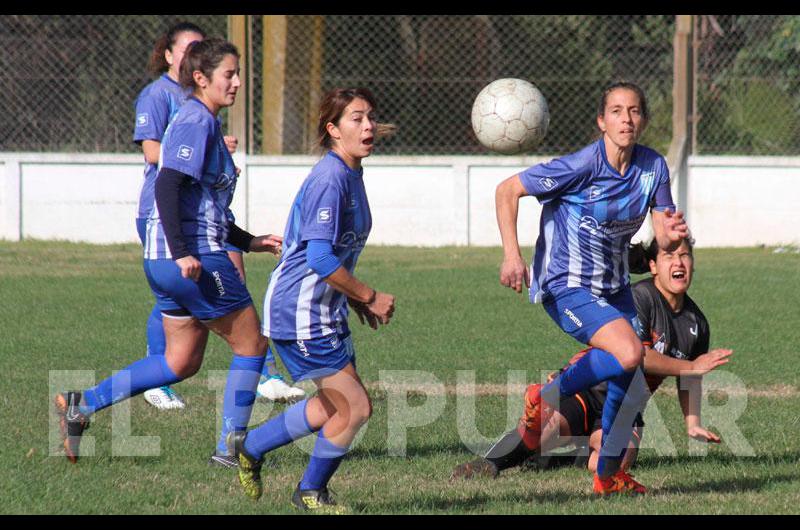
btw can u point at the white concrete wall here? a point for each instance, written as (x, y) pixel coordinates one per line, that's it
(427, 201)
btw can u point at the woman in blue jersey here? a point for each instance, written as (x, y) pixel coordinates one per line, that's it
(305, 307)
(155, 106)
(593, 201)
(196, 285)
(676, 336)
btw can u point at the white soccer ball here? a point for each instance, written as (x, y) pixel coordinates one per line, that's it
(510, 116)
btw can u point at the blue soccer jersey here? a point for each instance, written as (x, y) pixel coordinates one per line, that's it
(331, 205)
(157, 103)
(590, 212)
(193, 144)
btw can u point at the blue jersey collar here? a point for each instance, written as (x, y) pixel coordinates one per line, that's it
(354, 173)
(166, 77)
(613, 171)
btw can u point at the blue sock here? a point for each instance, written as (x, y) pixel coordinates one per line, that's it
(284, 428)
(240, 394)
(593, 368)
(626, 393)
(270, 367)
(325, 459)
(156, 340)
(144, 374)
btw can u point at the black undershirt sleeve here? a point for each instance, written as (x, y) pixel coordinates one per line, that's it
(239, 238)
(167, 194)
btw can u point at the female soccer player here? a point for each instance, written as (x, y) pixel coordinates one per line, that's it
(593, 200)
(305, 307)
(196, 285)
(155, 106)
(676, 336)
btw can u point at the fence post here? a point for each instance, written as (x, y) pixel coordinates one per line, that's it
(237, 115)
(682, 91)
(272, 83)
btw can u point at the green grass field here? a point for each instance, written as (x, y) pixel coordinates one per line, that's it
(83, 307)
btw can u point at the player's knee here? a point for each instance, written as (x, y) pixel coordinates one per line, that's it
(631, 355)
(360, 412)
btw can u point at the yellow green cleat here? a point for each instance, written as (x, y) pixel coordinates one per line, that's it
(249, 467)
(317, 501)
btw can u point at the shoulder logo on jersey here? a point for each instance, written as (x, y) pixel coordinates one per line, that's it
(693, 330)
(142, 119)
(547, 183)
(185, 152)
(324, 215)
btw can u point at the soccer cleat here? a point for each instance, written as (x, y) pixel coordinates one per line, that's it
(480, 467)
(228, 461)
(164, 398)
(249, 467)
(537, 414)
(71, 421)
(619, 482)
(318, 501)
(274, 388)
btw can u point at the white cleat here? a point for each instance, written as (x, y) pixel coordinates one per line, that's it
(164, 398)
(274, 388)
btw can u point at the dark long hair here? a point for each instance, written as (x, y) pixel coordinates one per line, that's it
(332, 107)
(640, 255)
(205, 56)
(157, 64)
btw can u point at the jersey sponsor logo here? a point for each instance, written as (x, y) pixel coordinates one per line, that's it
(224, 182)
(185, 152)
(218, 281)
(324, 215)
(614, 228)
(677, 354)
(589, 224)
(547, 183)
(693, 331)
(572, 317)
(353, 241)
(648, 174)
(142, 119)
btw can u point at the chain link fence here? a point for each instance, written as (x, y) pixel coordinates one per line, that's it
(71, 81)
(748, 85)
(426, 70)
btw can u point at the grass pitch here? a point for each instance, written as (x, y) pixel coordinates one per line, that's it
(71, 310)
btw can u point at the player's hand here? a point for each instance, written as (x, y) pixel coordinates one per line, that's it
(190, 267)
(675, 227)
(268, 243)
(382, 307)
(364, 315)
(702, 435)
(513, 272)
(231, 143)
(708, 361)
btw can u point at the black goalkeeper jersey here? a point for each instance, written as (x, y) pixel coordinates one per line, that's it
(681, 335)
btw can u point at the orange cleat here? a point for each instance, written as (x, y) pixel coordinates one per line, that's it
(71, 422)
(537, 414)
(619, 482)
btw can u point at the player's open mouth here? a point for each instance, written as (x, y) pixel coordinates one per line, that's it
(679, 275)
(368, 141)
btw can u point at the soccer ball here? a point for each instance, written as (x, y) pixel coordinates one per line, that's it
(510, 116)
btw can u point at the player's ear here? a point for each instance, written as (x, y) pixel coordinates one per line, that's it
(601, 123)
(333, 131)
(199, 79)
(168, 56)
(653, 269)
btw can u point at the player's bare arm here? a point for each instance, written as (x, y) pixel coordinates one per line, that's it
(513, 271)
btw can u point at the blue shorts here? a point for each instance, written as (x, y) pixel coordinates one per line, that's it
(219, 291)
(314, 358)
(580, 313)
(141, 229)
